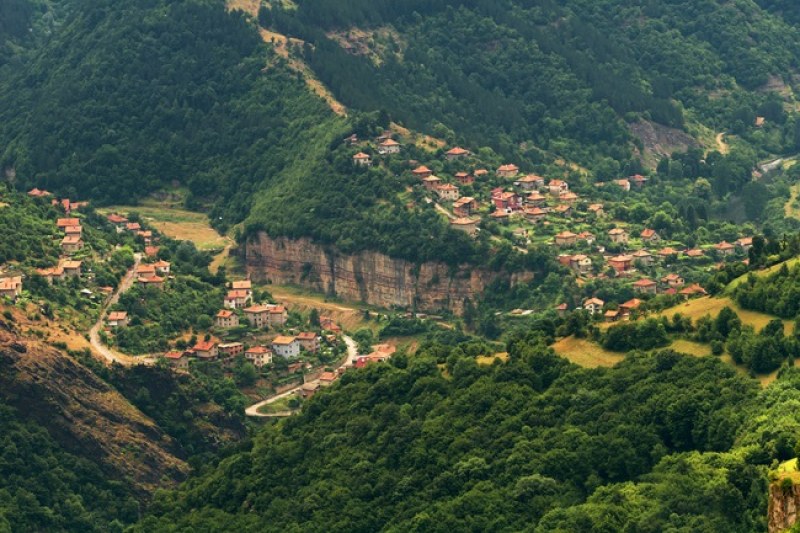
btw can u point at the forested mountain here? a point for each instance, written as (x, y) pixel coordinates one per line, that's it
(657, 443)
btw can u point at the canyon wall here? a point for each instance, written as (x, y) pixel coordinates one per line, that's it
(367, 277)
(784, 502)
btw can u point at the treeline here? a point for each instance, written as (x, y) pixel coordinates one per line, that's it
(534, 444)
(777, 293)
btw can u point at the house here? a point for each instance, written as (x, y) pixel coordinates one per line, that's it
(581, 263)
(230, 349)
(507, 200)
(389, 147)
(611, 315)
(556, 187)
(277, 315)
(362, 160)
(72, 268)
(207, 350)
(638, 181)
(596, 210)
(37, 193)
(629, 307)
(422, 172)
(63, 223)
(146, 270)
(327, 323)
(536, 199)
(586, 236)
(151, 251)
(694, 253)
(456, 153)
(237, 299)
(594, 305)
(468, 225)
(49, 274)
(162, 267)
(564, 259)
(326, 379)
(73, 230)
(146, 235)
(625, 185)
(644, 257)
(309, 341)
(667, 253)
(618, 236)
(745, 243)
(286, 346)
(621, 263)
(464, 178)
(646, 286)
(693, 290)
(177, 360)
(500, 216)
(650, 236)
(258, 316)
(431, 182)
(259, 356)
(11, 287)
(133, 226)
(760, 122)
(480, 172)
(447, 192)
(530, 182)
(673, 280)
(568, 197)
(562, 309)
(118, 221)
(566, 238)
(242, 285)
(71, 244)
(117, 319)
(563, 210)
(725, 248)
(464, 206)
(226, 318)
(507, 171)
(535, 214)
(308, 390)
(151, 281)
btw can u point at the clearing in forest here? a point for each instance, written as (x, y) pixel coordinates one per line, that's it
(708, 305)
(585, 353)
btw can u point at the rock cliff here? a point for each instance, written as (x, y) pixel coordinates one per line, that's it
(784, 502)
(369, 277)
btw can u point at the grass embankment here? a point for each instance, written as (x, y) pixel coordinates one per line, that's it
(711, 306)
(284, 405)
(586, 353)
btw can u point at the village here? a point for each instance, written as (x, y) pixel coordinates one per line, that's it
(577, 228)
(289, 352)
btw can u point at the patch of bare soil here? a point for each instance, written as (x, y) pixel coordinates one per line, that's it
(660, 141)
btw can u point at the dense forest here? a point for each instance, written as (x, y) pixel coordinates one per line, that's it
(659, 442)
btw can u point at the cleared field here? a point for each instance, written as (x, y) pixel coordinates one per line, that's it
(350, 318)
(489, 359)
(688, 347)
(792, 208)
(700, 307)
(178, 224)
(586, 353)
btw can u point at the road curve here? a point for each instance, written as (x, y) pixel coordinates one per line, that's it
(352, 354)
(109, 354)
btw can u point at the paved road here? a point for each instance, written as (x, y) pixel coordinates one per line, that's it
(352, 354)
(109, 354)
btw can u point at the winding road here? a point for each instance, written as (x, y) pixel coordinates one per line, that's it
(109, 354)
(352, 354)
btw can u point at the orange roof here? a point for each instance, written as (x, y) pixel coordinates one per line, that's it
(621, 259)
(535, 211)
(480, 172)
(667, 251)
(71, 239)
(595, 301)
(241, 284)
(422, 169)
(457, 150)
(616, 231)
(644, 283)
(566, 235)
(151, 251)
(204, 346)
(117, 315)
(36, 193)
(361, 155)
(161, 264)
(283, 340)
(257, 309)
(724, 245)
(447, 187)
(530, 178)
(133, 226)
(258, 349)
(71, 264)
(390, 142)
(595, 207)
(328, 376)
(695, 252)
(307, 336)
(64, 222)
(278, 309)
(556, 183)
(671, 277)
(648, 233)
(151, 279)
(463, 221)
(632, 304)
(611, 313)
(642, 253)
(236, 294)
(145, 269)
(508, 168)
(116, 219)
(225, 313)
(173, 355)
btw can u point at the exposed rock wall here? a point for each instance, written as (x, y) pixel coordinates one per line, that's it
(784, 503)
(368, 277)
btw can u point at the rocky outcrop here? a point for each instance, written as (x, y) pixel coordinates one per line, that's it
(368, 277)
(86, 415)
(784, 502)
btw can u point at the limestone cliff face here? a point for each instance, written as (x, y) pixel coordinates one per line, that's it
(784, 503)
(368, 277)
